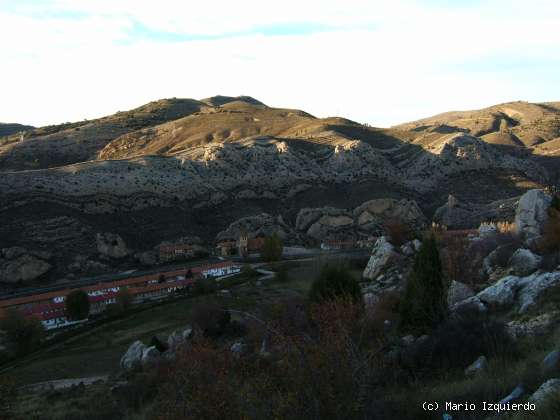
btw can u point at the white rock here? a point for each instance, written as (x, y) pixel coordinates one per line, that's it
(532, 213)
(133, 356)
(533, 287)
(501, 294)
(478, 366)
(523, 262)
(381, 256)
(150, 355)
(111, 245)
(550, 387)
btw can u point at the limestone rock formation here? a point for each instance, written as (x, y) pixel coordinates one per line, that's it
(382, 255)
(550, 387)
(21, 266)
(132, 359)
(111, 245)
(531, 214)
(523, 262)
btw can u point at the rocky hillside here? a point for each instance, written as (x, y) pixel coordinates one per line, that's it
(9, 129)
(180, 167)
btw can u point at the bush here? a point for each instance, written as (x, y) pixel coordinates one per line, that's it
(335, 282)
(398, 231)
(425, 299)
(458, 342)
(210, 319)
(550, 240)
(24, 334)
(77, 305)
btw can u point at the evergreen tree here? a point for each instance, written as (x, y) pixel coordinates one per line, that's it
(335, 282)
(425, 300)
(77, 305)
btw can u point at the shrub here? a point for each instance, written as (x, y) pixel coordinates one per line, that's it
(424, 302)
(24, 334)
(550, 240)
(458, 342)
(77, 305)
(210, 319)
(398, 231)
(335, 282)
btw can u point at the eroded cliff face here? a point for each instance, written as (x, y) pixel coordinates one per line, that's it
(181, 167)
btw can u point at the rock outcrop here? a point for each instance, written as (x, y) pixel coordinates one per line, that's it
(523, 262)
(132, 359)
(111, 245)
(382, 255)
(523, 292)
(550, 387)
(18, 266)
(531, 214)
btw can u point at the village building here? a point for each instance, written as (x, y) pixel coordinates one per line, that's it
(337, 244)
(50, 308)
(176, 252)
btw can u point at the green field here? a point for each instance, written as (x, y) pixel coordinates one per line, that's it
(98, 350)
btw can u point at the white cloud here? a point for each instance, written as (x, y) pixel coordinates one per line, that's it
(387, 63)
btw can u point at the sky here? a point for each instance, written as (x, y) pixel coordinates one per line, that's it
(376, 62)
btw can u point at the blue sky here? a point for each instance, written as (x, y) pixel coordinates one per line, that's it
(381, 62)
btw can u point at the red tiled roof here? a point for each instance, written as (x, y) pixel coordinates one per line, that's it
(107, 285)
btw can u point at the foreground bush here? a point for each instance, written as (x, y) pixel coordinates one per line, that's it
(24, 334)
(334, 282)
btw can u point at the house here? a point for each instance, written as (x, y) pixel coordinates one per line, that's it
(176, 252)
(246, 245)
(337, 244)
(226, 248)
(50, 308)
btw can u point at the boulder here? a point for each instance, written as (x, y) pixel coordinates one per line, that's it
(24, 268)
(150, 355)
(238, 348)
(132, 359)
(473, 303)
(308, 216)
(111, 245)
(383, 209)
(551, 363)
(517, 393)
(534, 327)
(500, 295)
(533, 287)
(458, 292)
(147, 258)
(531, 214)
(478, 366)
(550, 387)
(382, 255)
(262, 224)
(523, 262)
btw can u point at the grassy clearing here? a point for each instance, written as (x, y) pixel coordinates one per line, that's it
(98, 351)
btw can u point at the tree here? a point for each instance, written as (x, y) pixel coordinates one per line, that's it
(23, 334)
(425, 299)
(335, 282)
(210, 318)
(77, 305)
(124, 299)
(272, 248)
